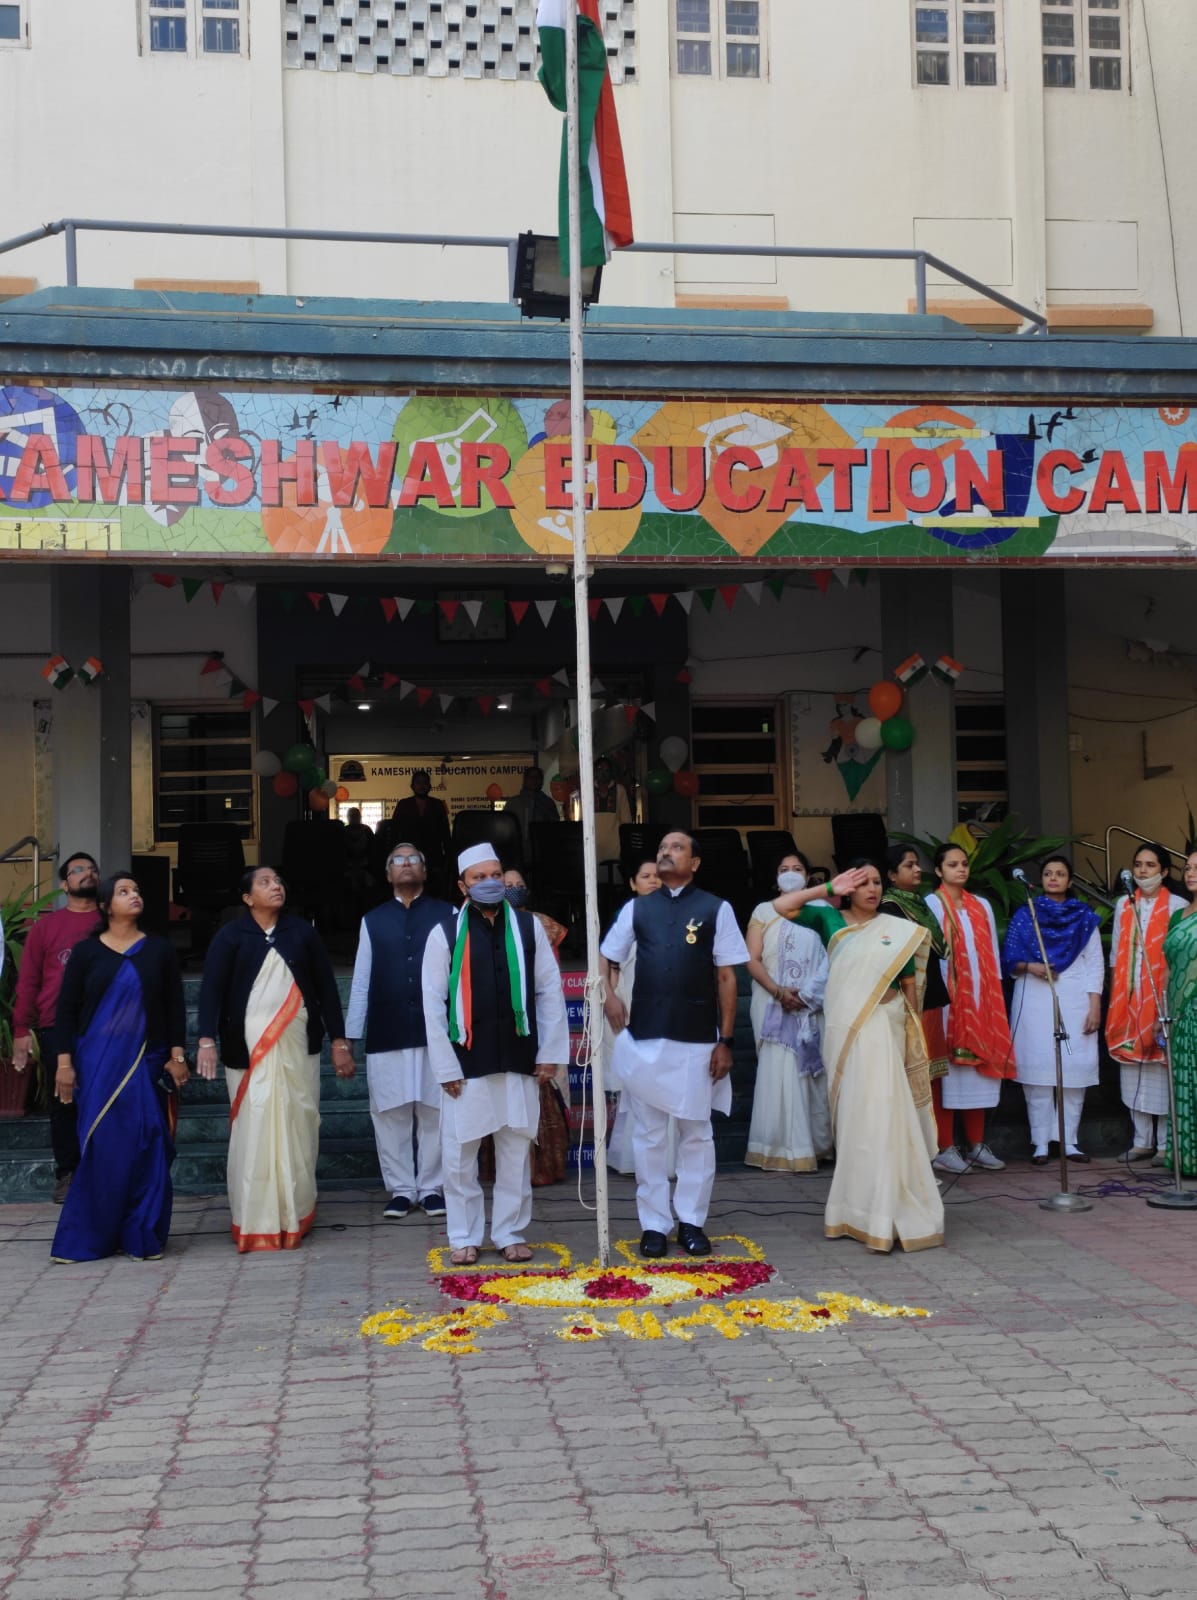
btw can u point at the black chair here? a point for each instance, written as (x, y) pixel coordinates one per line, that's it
(153, 879)
(491, 827)
(724, 870)
(859, 834)
(638, 842)
(560, 878)
(313, 869)
(766, 847)
(207, 877)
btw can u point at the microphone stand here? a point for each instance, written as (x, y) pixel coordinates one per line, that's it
(1064, 1201)
(1178, 1198)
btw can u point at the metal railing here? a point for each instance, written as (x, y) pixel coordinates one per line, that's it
(10, 857)
(1103, 850)
(72, 227)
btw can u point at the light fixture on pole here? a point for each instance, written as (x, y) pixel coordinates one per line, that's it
(539, 287)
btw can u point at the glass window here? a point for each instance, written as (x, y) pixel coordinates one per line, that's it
(743, 16)
(980, 27)
(694, 58)
(1059, 72)
(10, 23)
(168, 34)
(1084, 43)
(743, 60)
(958, 42)
(931, 26)
(933, 66)
(980, 70)
(1058, 30)
(1105, 33)
(1105, 72)
(721, 37)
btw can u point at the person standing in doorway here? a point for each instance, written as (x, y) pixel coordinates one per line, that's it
(497, 1029)
(47, 950)
(611, 809)
(531, 805)
(674, 1050)
(423, 819)
(386, 1008)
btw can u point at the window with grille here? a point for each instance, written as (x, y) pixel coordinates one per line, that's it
(982, 784)
(14, 25)
(194, 28)
(438, 38)
(203, 769)
(717, 38)
(734, 751)
(958, 44)
(1084, 44)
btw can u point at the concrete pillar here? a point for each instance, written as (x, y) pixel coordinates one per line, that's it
(90, 734)
(916, 615)
(1035, 674)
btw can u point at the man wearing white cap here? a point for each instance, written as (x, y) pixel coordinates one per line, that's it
(496, 1025)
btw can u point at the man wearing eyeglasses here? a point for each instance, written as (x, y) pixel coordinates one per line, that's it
(386, 1008)
(48, 947)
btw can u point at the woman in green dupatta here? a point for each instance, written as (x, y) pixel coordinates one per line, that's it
(1180, 952)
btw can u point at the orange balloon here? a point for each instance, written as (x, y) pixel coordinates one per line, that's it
(494, 791)
(284, 784)
(885, 700)
(341, 795)
(317, 799)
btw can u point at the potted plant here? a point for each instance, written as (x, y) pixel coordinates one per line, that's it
(18, 913)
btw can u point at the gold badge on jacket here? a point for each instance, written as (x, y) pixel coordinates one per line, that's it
(692, 928)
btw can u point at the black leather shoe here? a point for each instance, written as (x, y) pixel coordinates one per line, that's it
(692, 1239)
(653, 1245)
(1080, 1157)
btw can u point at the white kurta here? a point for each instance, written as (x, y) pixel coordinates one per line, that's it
(964, 1088)
(1144, 1084)
(619, 1142)
(395, 1077)
(1033, 1022)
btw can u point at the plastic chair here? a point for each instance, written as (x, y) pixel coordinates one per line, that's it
(859, 834)
(638, 842)
(492, 827)
(766, 847)
(313, 868)
(207, 878)
(723, 870)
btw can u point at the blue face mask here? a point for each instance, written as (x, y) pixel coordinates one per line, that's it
(516, 896)
(487, 892)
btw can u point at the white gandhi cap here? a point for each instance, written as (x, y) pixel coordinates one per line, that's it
(475, 856)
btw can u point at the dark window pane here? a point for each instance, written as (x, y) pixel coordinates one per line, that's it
(1105, 33)
(981, 747)
(743, 60)
(1058, 32)
(980, 718)
(732, 719)
(930, 26)
(1059, 72)
(980, 27)
(204, 725)
(694, 16)
(982, 780)
(222, 36)
(1098, 5)
(736, 817)
(10, 22)
(745, 785)
(203, 757)
(931, 66)
(694, 58)
(980, 70)
(1105, 72)
(168, 33)
(743, 16)
(737, 752)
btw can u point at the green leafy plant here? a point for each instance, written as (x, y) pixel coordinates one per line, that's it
(19, 913)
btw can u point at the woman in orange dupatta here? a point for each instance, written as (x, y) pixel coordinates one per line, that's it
(1132, 1022)
(980, 1050)
(270, 996)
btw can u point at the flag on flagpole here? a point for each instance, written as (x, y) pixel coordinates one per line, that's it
(606, 208)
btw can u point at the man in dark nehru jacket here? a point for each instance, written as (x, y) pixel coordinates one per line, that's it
(386, 1007)
(497, 1029)
(673, 1054)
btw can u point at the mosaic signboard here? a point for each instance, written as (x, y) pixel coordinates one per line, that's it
(141, 473)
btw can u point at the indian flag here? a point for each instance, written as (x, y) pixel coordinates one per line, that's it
(606, 209)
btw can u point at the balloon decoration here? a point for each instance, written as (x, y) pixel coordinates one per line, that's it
(266, 764)
(284, 784)
(868, 733)
(674, 752)
(494, 791)
(317, 799)
(897, 734)
(885, 700)
(300, 758)
(341, 795)
(686, 783)
(658, 780)
(331, 789)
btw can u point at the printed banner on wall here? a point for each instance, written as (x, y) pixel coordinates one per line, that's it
(138, 473)
(830, 773)
(460, 782)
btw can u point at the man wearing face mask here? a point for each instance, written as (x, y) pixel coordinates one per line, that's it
(386, 1007)
(496, 1025)
(673, 1051)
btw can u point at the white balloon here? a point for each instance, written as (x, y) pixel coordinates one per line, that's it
(329, 787)
(674, 752)
(266, 764)
(868, 734)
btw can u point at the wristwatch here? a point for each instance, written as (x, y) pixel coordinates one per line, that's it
(727, 1039)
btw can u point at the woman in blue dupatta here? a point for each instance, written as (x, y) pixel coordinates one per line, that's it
(1180, 952)
(119, 1031)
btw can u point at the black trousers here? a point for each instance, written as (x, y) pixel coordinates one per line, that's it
(64, 1120)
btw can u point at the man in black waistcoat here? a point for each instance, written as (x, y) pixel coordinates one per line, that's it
(673, 1053)
(497, 1030)
(386, 1008)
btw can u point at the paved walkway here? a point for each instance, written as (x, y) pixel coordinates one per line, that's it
(213, 1426)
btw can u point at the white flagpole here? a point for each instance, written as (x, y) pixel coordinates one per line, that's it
(593, 1029)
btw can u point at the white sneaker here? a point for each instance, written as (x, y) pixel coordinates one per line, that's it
(982, 1156)
(950, 1160)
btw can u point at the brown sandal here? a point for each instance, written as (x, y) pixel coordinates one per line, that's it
(516, 1253)
(467, 1256)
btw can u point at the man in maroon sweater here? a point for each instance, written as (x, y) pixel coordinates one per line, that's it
(48, 946)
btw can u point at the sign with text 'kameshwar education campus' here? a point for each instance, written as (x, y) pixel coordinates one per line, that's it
(136, 473)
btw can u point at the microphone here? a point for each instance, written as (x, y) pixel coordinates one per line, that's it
(1126, 880)
(1019, 875)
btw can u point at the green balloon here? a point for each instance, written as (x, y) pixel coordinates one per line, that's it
(658, 780)
(897, 733)
(299, 758)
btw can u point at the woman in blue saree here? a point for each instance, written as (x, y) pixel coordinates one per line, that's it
(119, 1031)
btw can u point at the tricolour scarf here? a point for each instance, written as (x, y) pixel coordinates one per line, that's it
(978, 1032)
(1133, 1015)
(461, 995)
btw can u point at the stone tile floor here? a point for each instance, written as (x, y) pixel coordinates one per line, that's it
(213, 1426)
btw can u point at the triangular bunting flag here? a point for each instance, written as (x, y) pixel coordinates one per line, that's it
(268, 705)
(684, 675)
(593, 607)
(217, 591)
(403, 607)
(707, 596)
(315, 599)
(324, 701)
(446, 701)
(775, 586)
(543, 686)
(364, 670)
(486, 704)
(390, 679)
(473, 610)
(337, 602)
(649, 710)
(57, 672)
(685, 599)
(191, 587)
(288, 599)
(165, 580)
(843, 575)
(822, 581)
(214, 663)
(250, 699)
(636, 604)
(519, 610)
(357, 683)
(236, 687)
(244, 592)
(545, 609)
(753, 591)
(729, 591)
(658, 602)
(567, 604)
(630, 714)
(389, 607)
(562, 676)
(597, 685)
(405, 688)
(448, 608)
(308, 707)
(423, 696)
(614, 606)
